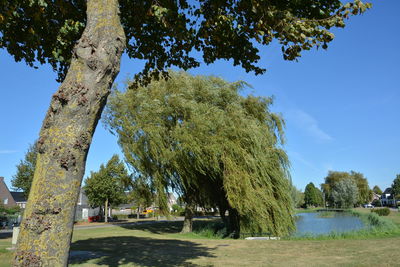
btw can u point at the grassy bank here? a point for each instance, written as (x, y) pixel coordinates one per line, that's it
(375, 227)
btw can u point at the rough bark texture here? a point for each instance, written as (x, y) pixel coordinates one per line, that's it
(188, 222)
(65, 137)
(234, 223)
(106, 211)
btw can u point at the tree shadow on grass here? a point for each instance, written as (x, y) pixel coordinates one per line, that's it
(143, 251)
(173, 227)
(157, 227)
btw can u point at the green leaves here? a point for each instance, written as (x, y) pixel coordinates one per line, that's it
(22, 180)
(107, 183)
(363, 194)
(396, 186)
(312, 196)
(197, 135)
(166, 33)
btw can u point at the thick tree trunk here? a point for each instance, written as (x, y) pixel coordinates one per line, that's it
(188, 221)
(65, 137)
(106, 211)
(234, 223)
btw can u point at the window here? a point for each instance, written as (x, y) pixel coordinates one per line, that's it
(5, 201)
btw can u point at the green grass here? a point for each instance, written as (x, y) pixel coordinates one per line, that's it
(309, 210)
(5, 255)
(161, 244)
(326, 214)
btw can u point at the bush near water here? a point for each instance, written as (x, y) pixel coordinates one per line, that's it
(382, 212)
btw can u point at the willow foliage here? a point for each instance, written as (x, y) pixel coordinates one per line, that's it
(199, 136)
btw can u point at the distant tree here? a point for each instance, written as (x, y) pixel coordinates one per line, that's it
(345, 193)
(140, 193)
(297, 197)
(364, 194)
(312, 196)
(22, 180)
(396, 187)
(105, 187)
(377, 190)
(320, 197)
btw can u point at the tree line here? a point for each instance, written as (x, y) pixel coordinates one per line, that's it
(341, 190)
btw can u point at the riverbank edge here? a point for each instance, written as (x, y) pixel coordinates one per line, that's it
(375, 227)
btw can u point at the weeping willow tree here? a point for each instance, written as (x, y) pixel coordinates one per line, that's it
(197, 135)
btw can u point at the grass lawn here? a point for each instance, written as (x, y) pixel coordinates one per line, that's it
(160, 244)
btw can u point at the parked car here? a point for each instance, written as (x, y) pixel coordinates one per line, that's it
(369, 205)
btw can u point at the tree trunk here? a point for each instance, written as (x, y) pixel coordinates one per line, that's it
(65, 137)
(188, 221)
(106, 211)
(234, 223)
(222, 212)
(138, 213)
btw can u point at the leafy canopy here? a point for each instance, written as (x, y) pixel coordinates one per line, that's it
(164, 33)
(22, 180)
(396, 186)
(197, 135)
(364, 193)
(345, 193)
(312, 196)
(140, 192)
(377, 190)
(107, 183)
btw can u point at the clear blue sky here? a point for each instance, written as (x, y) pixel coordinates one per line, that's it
(341, 106)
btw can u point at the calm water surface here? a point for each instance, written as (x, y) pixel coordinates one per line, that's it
(310, 223)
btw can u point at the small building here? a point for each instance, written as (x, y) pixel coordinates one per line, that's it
(375, 196)
(171, 201)
(83, 210)
(387, 197)
(11, 198)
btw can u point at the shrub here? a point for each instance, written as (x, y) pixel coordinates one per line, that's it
(210, 229)
(177, 208)
(377, 203)
(382, 212)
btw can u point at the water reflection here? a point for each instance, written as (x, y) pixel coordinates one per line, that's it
(310, 223)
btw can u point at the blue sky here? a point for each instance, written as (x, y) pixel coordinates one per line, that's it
(341, 106)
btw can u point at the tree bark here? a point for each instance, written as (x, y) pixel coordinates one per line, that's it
(106, 211)
(234, 223)
(65, 137)
(188, 221)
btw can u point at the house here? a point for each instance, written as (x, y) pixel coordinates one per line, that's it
(171, 201)
(11, 199)
(20, 199)
(375, 196)
(83, 210)
(387, 197)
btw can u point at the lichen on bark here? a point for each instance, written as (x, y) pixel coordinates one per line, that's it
(65, 137)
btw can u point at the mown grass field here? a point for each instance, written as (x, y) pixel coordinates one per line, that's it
(160, 244)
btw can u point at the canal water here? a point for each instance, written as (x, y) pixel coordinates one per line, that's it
(312, 224)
